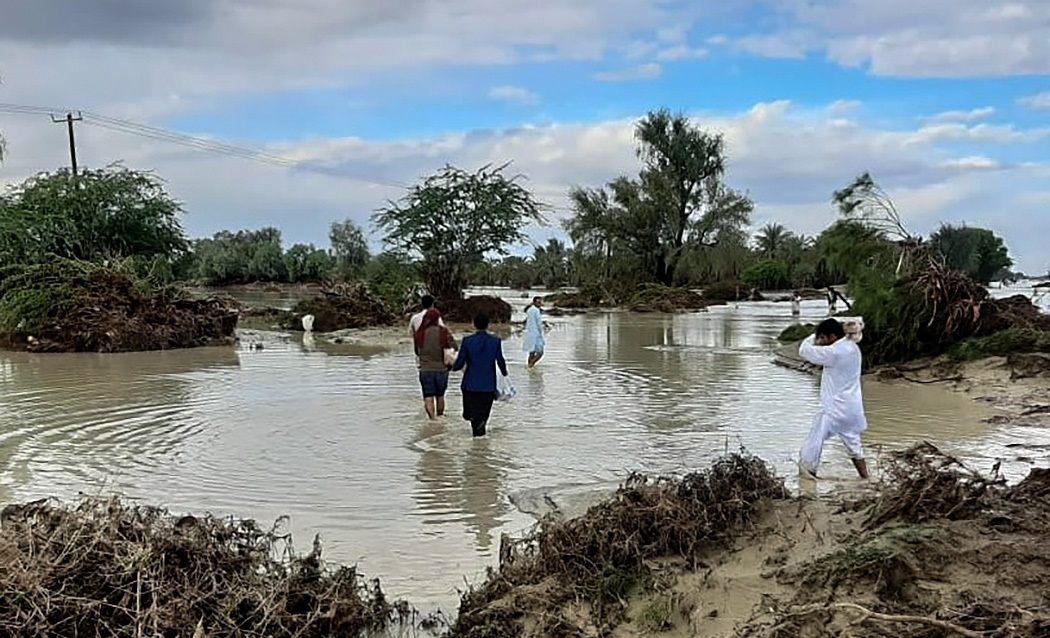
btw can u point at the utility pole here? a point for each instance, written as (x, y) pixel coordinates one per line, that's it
(69, 119)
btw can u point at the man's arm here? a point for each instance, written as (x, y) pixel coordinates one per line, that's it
(500, 361)
(811, 352)
(461, 358)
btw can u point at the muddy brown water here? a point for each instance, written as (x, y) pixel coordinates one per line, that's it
(335, 436)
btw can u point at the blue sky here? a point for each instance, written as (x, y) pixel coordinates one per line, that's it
(946, 102)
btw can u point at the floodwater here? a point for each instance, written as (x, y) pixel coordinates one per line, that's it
(335, 437)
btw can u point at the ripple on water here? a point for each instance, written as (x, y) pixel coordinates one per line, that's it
(335, 437)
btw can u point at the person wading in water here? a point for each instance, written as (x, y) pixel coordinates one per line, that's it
(432, 340)
(841, 410)
(534, 342)
(480, 354)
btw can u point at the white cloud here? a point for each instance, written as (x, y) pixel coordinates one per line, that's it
(1037, 101)
(972, 162)
(788, 158)
(681, 52)
(843, 107)
(642, 72)
(516, 94)
(931, 38)
(963, 116)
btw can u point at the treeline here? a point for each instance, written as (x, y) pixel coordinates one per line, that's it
(676, 222)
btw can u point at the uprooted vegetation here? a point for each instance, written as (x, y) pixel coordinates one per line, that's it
(665, 299)
(574, 577)
(942, 550)
(72, 306)
(340, 307)
(107, 568)
(936, 311)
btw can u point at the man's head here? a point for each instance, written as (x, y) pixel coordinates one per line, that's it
(829, 331)
(537, 301)
(481, 321)
(427, 301)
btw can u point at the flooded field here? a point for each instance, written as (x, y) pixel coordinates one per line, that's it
(335, 436)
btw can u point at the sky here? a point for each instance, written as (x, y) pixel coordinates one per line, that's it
(945, 102)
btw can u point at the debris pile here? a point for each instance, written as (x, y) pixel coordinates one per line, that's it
(107, 568)
(341, 307)
(601, 556)
(72, 306)
(665, 299)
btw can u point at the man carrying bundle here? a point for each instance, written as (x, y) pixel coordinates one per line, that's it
(841, 410)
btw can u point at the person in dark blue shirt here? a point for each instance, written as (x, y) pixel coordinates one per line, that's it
(480, 353)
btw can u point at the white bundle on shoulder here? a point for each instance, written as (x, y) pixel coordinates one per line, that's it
(854, 327)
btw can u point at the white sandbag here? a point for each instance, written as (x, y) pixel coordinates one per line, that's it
(308, 323)
(854, 327)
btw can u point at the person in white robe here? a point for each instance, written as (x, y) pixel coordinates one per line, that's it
(841, 412)
(534, 342)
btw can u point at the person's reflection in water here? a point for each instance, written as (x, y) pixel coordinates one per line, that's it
(468, 491)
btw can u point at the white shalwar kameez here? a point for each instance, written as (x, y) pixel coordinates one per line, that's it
(841, 411)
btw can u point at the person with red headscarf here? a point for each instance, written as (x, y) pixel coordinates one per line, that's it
(432, 343)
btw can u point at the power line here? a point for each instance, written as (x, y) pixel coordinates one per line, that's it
(197, 143)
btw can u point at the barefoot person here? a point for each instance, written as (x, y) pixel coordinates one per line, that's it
(796, 304)
(841, 410)
(417, 319)
(432, 340)
(534, 342)
(480, 354)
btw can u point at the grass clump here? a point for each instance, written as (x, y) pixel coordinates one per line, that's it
(1000, 344)
(796, 332)
(656, 616)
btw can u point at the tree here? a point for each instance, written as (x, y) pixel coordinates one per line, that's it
(978, 252)
(102, 214)
(242, 257)
(682, 180)
(307, 263)
(770, 274)
(864, 201)
(454, 218)
(771, 240)
(349, 247)
(551, 264)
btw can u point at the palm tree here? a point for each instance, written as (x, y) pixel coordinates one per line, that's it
(551, 263)
(771, 240)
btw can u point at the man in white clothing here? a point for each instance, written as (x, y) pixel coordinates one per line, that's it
(841, 410)
(417, 319)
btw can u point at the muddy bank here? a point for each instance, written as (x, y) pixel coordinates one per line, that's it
(645, 298)
(935, 549)
(67, 306)
(108, 568)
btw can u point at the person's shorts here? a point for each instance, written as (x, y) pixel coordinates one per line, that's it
(434, 384)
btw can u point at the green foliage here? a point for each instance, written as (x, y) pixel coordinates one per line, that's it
(727, 291)
(677, 205)
(796, 332)
(238, 258)
(656, 615)
(1000, 344)
(306, 262)
(454, 219)
(100, 214)
(30, 295)
(349, 248)
(770, 274)
(392, 278)
(978, 252)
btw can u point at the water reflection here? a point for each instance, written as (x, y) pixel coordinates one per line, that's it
(333, 435)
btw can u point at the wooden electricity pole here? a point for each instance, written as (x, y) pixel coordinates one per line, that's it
(69, 119)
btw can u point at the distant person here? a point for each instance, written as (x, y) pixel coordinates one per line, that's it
(796, 304)
(841, 410)
(417, 319)
(534, 342)
(432, 341)
(480, 354)
(832, 300)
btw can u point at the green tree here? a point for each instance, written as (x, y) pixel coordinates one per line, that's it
(682, 179)
(101, 214)
(771, 240)
(242, 257)
(304, 263)
(349, 247)
(551, 263)
(770, 274)
(393, 278)
(454, 219)
(978, 252)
